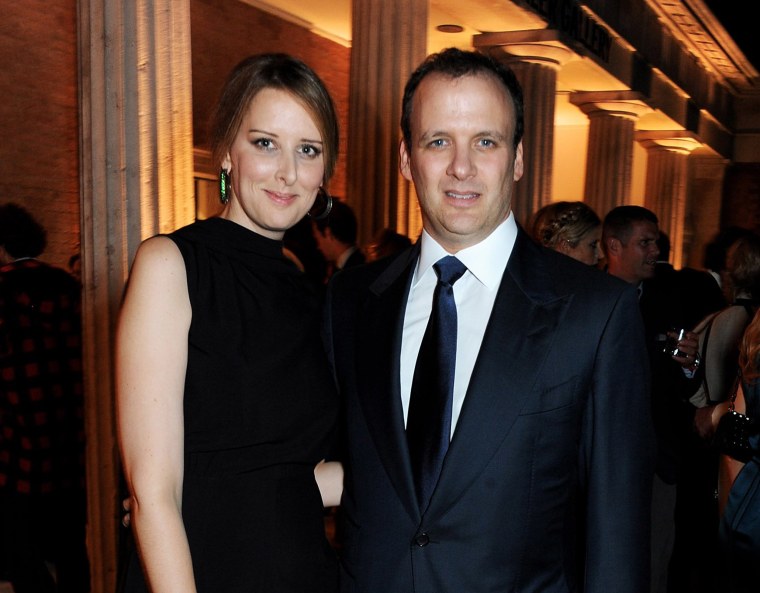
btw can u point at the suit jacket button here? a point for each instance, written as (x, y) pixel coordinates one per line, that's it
(422, 540)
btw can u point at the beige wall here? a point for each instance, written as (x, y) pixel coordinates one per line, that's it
(39, 125)
(569, 172)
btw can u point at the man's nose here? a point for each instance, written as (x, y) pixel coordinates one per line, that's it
(462, 165)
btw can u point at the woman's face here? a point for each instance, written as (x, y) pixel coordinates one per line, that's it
(276, 165)
(588, 250)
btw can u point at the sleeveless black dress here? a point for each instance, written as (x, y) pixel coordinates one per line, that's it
(260, 409)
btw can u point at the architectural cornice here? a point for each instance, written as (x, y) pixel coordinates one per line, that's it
(692, 24)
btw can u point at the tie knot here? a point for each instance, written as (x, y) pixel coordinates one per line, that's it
(449, 269)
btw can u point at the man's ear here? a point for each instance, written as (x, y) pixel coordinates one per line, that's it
(519, 164)
(404, 163)
(613, 245)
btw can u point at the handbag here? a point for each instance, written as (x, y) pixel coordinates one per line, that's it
(734, 430)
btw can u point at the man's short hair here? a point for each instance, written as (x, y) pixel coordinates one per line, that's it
(620, 220)
(20, 234)
(456, 63)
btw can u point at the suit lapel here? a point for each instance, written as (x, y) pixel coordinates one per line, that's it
(378, 371)
(525, 316)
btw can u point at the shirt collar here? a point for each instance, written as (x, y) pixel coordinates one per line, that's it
(485, 260)
(343, 258)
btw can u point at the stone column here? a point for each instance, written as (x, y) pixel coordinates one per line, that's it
(388, 43)
(609, 163)
(703, 203)
(535, 57)
(666, 189)
(136, 179)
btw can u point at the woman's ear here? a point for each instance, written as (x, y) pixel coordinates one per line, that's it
(564, 246)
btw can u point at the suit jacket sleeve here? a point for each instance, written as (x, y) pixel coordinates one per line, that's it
(617, 457)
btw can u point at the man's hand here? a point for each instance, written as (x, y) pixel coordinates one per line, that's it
(688, 351)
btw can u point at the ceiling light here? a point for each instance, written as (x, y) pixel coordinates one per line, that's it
(450, 28)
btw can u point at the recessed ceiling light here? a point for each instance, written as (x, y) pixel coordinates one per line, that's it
(450, 28)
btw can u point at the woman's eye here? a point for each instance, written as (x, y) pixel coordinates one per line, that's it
(311, 150)
(264, 143)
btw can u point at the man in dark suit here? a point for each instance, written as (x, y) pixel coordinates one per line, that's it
(635, 250)
(546, 482)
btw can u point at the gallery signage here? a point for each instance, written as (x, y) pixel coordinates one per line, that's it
(569, 17)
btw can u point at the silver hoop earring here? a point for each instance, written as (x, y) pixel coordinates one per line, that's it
(322, 205)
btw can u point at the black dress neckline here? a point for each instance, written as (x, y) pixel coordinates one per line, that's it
(229, 236)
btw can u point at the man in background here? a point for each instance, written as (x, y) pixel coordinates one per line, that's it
(42, 491)
(631, 237)
(336, 238)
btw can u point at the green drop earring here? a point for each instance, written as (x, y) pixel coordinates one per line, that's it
(224, 186)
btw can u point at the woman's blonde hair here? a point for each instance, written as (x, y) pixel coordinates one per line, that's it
(563, 221)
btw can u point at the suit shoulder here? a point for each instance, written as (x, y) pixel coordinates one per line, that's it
(568, 275)
(364, 275)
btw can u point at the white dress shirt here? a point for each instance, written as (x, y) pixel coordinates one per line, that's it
(474, 294)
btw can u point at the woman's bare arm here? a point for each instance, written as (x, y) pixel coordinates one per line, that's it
(151, 360)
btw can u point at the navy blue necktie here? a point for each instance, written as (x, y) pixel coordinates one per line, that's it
(428, 424)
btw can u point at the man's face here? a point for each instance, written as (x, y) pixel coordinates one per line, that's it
(638, 256)
(461, 158)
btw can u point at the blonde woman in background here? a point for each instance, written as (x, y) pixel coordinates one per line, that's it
(572, 228)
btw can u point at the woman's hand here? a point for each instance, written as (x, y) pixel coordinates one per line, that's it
(126, 506)
(706, 419)
(329, 477)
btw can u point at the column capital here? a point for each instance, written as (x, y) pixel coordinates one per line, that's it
(628, 104)
(681, 141)
(542, 46)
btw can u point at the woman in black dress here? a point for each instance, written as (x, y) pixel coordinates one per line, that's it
(225, 401)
